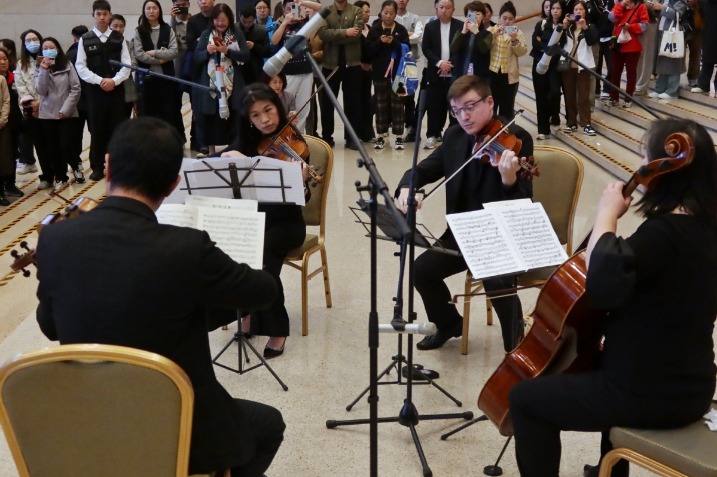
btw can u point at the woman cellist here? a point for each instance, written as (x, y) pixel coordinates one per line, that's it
(657, 290)
(261, 116)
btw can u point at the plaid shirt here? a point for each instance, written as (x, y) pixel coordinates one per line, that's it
(504, 55)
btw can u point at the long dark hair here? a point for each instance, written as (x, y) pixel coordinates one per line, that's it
(61, 59)
(144, 25)
(693, 187)
(249, 136)
(25, 56)
(562, 10)
(9, 45)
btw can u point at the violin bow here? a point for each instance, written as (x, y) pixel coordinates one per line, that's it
(296, 114)
(476, 154)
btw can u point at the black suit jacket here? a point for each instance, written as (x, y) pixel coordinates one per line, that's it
(116, 276)
(485, 181)
(431, 46)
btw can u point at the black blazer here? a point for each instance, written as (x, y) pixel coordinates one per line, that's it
(431, 46)
(116, 276)
(487, 186)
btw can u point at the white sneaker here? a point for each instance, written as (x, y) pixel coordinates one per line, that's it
(430, 143)
(45, 185)
(27, 168)
(666, 96)
(604, 95)
(541, 137)
(399, 144)
(697, 89)
(654, 94)
(638, 92)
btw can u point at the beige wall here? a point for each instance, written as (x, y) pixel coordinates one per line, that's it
(57, 17)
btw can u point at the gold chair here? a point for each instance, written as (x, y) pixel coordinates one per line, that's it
(685, 452)
(558, 189)
(322, 157)
(95, 409)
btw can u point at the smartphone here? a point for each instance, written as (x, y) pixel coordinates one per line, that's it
(510, 29)
(386, 32)
(472, 16)
(182, 10)
(295, 10)
(49, 60)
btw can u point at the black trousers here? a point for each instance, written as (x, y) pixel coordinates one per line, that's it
(588, 402)
(410, 115)
(26, 143)
(503, 94)
(437, 106)
(430, 270)
(59, 138)
(105, 111)
(162, 99)
(348, 78)
(547, 98)
(282, 234)
(267, 427)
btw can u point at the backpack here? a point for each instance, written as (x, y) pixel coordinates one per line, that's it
(406, 81)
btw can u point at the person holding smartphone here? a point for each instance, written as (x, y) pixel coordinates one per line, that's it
(384, 43)
(471, 46)
(58, 85)
(508, 45)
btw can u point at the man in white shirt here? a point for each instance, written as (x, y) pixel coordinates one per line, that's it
(105, 92)
(414, 25)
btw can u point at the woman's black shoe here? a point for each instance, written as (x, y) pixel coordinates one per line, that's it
(273, 353)
(3, 200)
(13, 191)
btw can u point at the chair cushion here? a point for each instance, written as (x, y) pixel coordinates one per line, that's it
(298, 253)
(690, 449)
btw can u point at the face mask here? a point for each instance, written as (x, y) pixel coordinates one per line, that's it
(32, 46)
(49, 53)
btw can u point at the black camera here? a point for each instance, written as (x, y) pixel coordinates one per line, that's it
(26, 108)
(182, 10)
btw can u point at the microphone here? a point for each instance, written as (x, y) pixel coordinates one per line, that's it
(413, 328)
(276, 63)
(542, 67)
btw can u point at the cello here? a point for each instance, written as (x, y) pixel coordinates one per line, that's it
(566, 336)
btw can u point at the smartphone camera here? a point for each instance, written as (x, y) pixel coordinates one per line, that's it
(472, 16)
(182, 10)
(509, 29)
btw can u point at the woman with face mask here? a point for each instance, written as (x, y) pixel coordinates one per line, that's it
(30, 42)
(58, 85)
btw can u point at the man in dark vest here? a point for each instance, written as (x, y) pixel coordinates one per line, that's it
(105, 92)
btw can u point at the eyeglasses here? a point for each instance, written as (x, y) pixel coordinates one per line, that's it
(468, 108)
(262, 8)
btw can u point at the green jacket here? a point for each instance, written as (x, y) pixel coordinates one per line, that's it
(333, 34)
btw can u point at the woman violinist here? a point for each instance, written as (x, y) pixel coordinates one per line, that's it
(656, 288)
(261, 116)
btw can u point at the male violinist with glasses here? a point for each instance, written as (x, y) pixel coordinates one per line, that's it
(471, 104)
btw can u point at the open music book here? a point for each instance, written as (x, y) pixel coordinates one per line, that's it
(506, 238)
(234, 224)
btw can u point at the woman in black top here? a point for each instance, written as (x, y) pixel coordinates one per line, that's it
(261, 115)
(657, 290)
(471, 46)
(547, 85)
(383, 43)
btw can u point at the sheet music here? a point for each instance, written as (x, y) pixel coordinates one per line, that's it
(262, 181)
(177, 214)
(221, 203)
(240, 234)
(503, 240)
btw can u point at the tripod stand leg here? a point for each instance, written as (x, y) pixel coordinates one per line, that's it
(427, 472)
(263, 361)
(363, 393)
(463, 426)
(495, 470)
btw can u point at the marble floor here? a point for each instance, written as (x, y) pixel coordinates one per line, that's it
(327, 369)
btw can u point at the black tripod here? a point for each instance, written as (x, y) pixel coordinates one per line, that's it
(408, 415)
(243, 342)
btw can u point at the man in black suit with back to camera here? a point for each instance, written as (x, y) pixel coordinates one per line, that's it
(149, 286)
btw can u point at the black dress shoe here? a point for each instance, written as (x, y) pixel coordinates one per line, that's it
(352, 146)
(440, 338)
(273, 353)
(97, 175)
(13, 191)
(4, 201)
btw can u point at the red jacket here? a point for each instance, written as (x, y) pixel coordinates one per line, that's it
(634, 25)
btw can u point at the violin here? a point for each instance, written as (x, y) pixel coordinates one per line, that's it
(566, 333)
(287, 145)
(497, 139)
(73, 209)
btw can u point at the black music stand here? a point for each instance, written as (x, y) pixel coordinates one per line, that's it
(224, 177)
